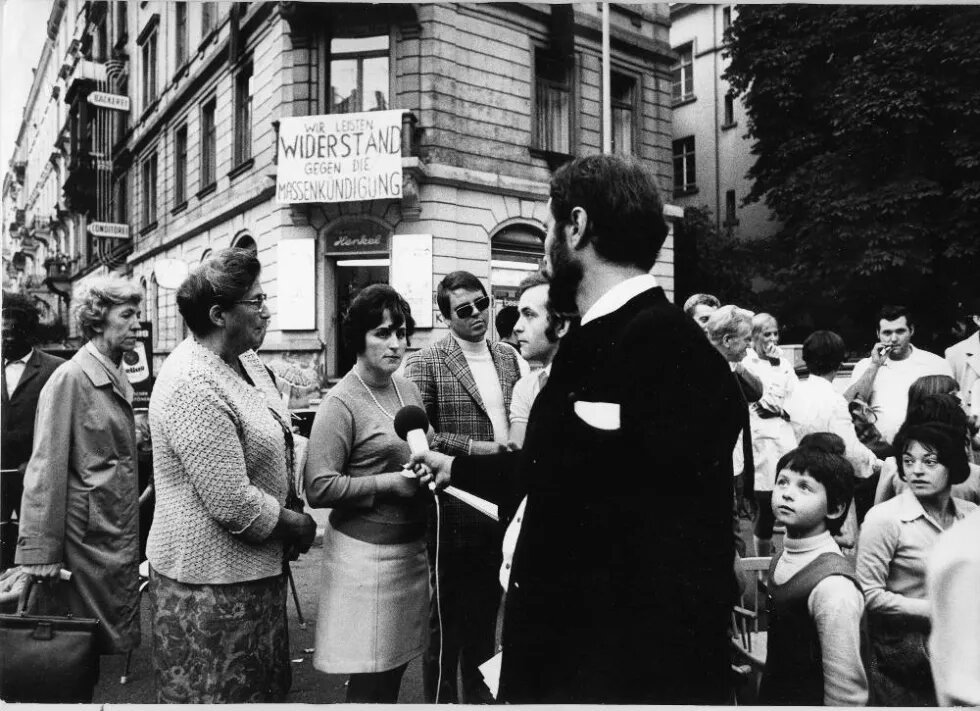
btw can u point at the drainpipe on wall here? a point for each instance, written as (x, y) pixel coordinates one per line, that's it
(714, 110)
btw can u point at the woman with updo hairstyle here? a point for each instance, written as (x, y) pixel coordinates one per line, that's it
(80, 507)
(896, 540)
(931, 399)
(225, 519)
(374, 596)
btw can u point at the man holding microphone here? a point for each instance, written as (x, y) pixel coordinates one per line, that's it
(622, 582)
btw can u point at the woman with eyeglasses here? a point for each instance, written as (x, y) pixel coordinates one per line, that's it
(374, 595)
(223, 461)
(895, 544)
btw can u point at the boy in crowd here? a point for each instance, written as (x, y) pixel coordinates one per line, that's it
(815, 605)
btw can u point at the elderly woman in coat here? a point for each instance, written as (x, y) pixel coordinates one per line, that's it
(223, 466)
(80, 506)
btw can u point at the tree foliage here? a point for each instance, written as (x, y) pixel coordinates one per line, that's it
(866, 128)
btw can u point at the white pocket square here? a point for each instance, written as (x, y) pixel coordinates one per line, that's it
(601, 415)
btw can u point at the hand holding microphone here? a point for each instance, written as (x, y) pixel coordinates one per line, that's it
(432, 468)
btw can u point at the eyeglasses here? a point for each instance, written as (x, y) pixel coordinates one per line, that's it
(258, 302)
(473, 307)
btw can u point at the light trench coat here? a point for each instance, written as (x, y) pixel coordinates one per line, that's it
(80, 505)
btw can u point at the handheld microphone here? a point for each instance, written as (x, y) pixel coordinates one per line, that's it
(411, 424)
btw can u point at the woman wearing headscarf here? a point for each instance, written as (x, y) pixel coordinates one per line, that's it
(223, 461)
(80, 507)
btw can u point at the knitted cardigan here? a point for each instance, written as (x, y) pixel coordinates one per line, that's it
(219, 460)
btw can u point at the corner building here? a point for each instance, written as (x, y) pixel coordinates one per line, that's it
(492, 98)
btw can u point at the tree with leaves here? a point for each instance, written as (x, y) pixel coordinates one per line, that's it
(866, 128)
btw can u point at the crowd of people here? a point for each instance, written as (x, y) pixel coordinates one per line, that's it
(623, 440)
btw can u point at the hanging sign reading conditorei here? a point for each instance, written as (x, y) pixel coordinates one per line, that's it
(340, 157)
(112, 230)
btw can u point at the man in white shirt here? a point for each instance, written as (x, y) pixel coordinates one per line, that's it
(466, 384)
(539, 330)
(882, 380)
(964, 357)
(25, 371)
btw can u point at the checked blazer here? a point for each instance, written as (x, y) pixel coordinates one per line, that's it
(457, 414)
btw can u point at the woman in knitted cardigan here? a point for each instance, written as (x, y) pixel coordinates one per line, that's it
(222, 450)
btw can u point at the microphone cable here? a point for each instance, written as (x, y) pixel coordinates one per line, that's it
(438, 503)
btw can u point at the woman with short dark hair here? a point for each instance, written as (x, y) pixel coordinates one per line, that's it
(374, 598)
(80, 507)
(223, 460)
(896, 541)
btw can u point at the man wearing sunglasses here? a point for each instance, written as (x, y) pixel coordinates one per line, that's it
(466, 384)
(621, 585)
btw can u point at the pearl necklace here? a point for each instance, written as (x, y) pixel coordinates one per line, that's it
(371, 393)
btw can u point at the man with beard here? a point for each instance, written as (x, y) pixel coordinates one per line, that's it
(621, 583)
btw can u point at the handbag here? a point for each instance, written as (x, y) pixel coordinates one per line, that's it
(46, 658)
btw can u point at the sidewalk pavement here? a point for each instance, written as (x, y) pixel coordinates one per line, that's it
(309, 685)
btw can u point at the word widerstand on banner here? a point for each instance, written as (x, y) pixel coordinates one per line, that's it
(340, 157)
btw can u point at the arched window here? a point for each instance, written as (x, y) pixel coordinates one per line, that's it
(243, 240)
(516, 250)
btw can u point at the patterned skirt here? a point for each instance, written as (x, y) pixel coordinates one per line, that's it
(220, 643)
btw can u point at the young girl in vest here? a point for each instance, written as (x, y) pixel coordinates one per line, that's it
(814, 603)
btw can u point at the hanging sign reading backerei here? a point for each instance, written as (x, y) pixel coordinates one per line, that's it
(111, 230)
(340, 157)
(116, 102)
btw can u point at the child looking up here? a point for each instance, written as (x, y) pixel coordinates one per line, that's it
(815, 604)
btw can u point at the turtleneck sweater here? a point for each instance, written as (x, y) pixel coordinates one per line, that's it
(836, 606)
(488, 383)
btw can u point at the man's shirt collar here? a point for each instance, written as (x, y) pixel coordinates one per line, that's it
(616, 298)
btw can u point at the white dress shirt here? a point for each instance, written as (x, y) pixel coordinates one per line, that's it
(616, 298)
(14, 370)
(814, 406)
(890, 391)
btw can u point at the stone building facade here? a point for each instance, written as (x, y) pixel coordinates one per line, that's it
(492, 98)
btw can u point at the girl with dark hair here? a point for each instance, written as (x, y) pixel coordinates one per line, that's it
(374, 598)
(896, 540)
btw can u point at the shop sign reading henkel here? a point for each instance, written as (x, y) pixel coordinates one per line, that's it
(340, 157)
(357, 235)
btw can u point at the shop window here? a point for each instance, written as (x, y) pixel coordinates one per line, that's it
(683, 73)
(180, 32)
(623, 94)
(685, 178)
(149, 183)
(209, 151)
(243, 115)
(553, 101)
(359, 78)
(148, 55)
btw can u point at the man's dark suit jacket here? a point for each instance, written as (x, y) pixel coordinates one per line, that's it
(17, 418)
(622, 581)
